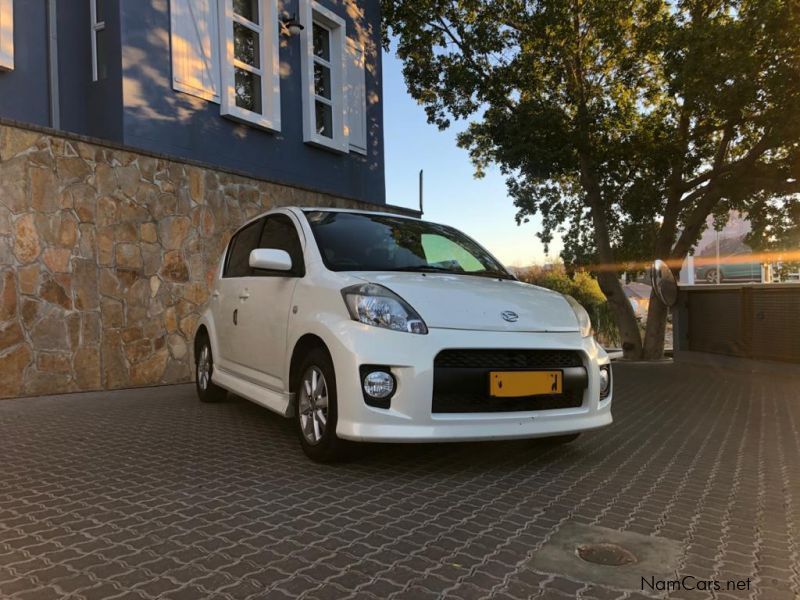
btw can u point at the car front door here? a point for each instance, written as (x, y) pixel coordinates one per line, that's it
(227, 300)
(264, 314)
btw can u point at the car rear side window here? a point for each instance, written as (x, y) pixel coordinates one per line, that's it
(281, 234)
(244, 242)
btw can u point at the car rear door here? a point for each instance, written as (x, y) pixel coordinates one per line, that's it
(265, 313)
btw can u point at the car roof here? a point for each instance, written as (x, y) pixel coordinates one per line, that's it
(303, 209)
(359, 211)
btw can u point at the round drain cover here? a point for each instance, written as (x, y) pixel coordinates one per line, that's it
(609, 555)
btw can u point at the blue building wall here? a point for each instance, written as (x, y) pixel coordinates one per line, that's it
(136, 105)
(159, 118)
(24, 92)
(89, 107)
(74, 68)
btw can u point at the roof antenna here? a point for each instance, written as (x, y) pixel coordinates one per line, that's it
(421, 182)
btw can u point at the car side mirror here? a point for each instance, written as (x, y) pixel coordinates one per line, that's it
(270, 259)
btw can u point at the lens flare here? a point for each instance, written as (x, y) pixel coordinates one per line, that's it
(699, 261)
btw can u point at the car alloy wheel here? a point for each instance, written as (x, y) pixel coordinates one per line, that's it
(711, 276)
(313, 409)
(316, 408)
(207, 391)
(204, 368)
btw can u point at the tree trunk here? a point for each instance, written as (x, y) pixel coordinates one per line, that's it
(655, 330)
(608, 278)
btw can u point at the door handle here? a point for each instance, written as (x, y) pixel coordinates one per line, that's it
(215, 295)
(244, 295)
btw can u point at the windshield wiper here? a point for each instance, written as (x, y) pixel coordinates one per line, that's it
(436, 269)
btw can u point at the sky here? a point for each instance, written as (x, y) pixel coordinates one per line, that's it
(481, 208)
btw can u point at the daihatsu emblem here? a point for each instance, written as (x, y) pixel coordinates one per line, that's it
(510, 316)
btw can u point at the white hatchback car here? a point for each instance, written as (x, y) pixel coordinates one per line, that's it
(376, 327)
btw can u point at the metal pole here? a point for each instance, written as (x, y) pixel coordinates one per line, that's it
(421, 183)
(718, 273)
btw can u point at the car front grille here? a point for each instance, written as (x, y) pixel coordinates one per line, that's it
(461, 380)
(507, 359)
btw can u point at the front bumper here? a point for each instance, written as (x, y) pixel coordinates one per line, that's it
(411, 359)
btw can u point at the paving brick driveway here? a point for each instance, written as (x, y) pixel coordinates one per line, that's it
(150, 494)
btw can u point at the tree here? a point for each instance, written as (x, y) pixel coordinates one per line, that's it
(776, 233)
(623, 123)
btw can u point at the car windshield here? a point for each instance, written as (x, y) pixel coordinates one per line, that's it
(361, 242)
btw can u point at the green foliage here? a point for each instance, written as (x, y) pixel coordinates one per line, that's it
(605, 327)
(776, 232)
(581, 286)
(775, 226)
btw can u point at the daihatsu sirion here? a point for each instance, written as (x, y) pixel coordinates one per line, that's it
(375, 327)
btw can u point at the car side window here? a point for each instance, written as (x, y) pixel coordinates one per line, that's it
(280, 233)
(238, 261)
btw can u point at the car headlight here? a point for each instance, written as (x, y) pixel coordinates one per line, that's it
(376, 305)
(584, 321)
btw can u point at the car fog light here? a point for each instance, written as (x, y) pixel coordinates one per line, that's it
(379, 384)
(605, 381)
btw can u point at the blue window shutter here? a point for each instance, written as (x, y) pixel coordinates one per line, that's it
(194, 41)
(356, 96)
(6, 34)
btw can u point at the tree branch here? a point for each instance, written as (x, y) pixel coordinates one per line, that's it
(724, 168)
(724, 144)
(666, 232)
(748, 173)
(695, 222)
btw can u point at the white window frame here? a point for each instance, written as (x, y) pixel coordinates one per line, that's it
(312, 12)
(269, 36)
(6, 35)
(97, 26)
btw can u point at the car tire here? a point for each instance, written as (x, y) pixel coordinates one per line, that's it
(711, 276)
(204, 371)
(559, 440)
(316, 408)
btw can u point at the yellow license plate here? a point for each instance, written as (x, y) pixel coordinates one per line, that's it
(513, 384)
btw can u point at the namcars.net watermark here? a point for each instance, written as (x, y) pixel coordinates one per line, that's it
(689, 582)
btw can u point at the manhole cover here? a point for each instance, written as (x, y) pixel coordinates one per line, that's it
(609, 555)
(603, 556)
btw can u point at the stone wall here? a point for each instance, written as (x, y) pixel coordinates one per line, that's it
(106, 256)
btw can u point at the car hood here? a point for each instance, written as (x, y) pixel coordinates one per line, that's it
(477, 303)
